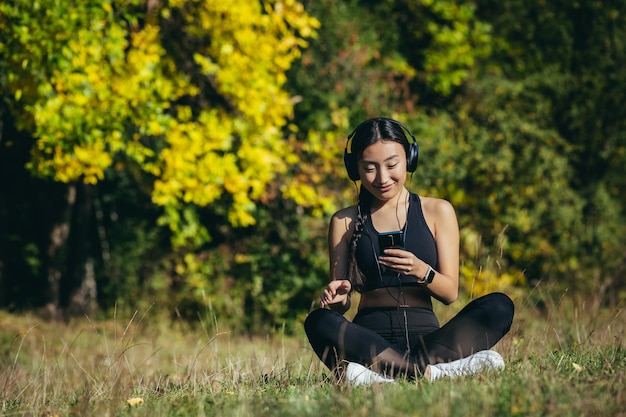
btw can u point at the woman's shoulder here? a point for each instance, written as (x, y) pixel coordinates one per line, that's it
(436, 206)
(346, 214)
(342, 223)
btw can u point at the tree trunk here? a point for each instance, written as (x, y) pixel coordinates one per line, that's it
(78, 292)
(56, 259)
(83, 299)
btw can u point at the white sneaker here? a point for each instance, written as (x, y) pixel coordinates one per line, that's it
(479, 361)
(357, 374)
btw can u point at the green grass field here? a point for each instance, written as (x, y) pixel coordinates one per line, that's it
(564, 358)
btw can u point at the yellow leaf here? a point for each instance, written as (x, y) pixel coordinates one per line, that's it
(133, 402)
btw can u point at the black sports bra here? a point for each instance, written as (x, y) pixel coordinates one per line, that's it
(417, 239)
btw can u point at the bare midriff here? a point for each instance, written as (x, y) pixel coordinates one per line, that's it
(405, 297)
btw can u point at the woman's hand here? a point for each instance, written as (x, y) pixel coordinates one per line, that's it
(336, 292)
(403, 262)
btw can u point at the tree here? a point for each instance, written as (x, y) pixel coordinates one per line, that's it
(97, 87)
(571, 55)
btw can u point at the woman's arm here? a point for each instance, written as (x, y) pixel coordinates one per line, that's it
(445, 285)
(337, 294)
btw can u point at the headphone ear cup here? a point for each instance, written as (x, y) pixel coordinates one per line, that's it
(412, 157)
(351, 168)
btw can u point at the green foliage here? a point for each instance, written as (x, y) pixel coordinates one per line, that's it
(564, 57)
(456, 40)
(258, 279)
(350, 70)
(213, 132)
(442, 41)
(514, 162)
(577, 50)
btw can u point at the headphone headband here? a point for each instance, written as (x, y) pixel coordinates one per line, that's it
(412, 153)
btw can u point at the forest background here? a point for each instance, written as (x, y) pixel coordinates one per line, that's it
(184, 157)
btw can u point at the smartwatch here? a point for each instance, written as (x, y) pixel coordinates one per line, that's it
(428, 278)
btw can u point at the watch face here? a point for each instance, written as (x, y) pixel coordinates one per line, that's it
(430, 275)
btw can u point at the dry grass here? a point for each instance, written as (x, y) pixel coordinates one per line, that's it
(566, 357)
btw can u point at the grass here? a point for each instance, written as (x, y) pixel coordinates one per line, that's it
(564, 358)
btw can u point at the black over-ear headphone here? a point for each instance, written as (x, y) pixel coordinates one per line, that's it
(349, 159)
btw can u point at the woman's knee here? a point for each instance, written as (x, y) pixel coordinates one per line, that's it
(502, 308)
(316, 320)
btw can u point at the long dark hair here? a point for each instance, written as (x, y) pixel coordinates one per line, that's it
(366, 134)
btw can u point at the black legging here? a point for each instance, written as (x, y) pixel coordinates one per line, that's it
(403, 341)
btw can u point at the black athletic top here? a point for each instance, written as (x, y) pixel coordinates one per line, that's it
(417, 239)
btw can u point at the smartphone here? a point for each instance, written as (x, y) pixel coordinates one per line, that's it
(391, 240)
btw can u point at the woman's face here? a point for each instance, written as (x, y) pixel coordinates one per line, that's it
(382, 168)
